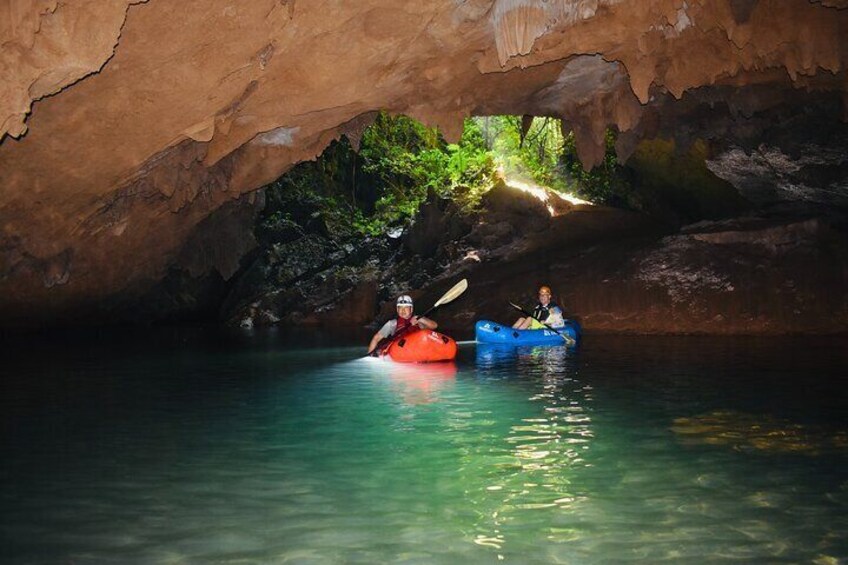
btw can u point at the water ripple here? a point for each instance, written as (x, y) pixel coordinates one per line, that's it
(528, 455)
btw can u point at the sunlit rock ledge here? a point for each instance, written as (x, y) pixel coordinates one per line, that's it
(126, 127)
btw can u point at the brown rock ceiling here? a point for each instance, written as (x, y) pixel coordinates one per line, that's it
(125, 123)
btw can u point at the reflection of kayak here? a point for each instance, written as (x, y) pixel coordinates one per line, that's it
(420, 383)
(422, 372)
(421, 346)
(487, 331)
(495, 354)
(499, 354)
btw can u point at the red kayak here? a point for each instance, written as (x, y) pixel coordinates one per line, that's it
(421, 346)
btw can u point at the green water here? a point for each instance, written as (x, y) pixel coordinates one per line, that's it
(186, 448)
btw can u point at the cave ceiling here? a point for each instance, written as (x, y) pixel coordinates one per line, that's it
(126, 123)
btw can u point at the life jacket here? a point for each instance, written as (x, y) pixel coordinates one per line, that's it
(541, 313)
(383, 344)
(402, 324)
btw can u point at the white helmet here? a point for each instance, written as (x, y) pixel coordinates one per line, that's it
(404, 300)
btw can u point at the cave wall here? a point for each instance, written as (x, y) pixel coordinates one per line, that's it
(125, 124)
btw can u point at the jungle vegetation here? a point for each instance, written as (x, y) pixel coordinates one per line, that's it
(401, 161)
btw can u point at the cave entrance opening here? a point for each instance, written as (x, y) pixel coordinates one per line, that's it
(379, 186)
(396, 208)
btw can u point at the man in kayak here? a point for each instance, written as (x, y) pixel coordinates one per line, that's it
(545, 311)
(403, 320)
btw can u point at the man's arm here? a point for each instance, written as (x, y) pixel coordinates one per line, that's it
(425, 323)
(386, 331)
(374, 341)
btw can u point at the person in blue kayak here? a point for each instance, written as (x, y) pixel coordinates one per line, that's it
(403, 320)
(545, 311)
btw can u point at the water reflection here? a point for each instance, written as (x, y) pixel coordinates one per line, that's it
(416, 383)
(539, 361)
(202, 454)
(421, 384)
(491, 358)
(533, 477)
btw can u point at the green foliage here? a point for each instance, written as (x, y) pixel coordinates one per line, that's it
(310, 197)
(399, 162)
(548, 157)
(411, 160)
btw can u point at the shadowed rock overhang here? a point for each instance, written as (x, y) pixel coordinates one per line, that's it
(126, 123)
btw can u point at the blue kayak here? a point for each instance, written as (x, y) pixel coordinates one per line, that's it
(486, 331)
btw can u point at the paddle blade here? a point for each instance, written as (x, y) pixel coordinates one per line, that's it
(453, 293)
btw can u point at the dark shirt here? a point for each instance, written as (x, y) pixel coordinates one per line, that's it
(541, 313)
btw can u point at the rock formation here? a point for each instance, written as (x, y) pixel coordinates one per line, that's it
(775, 272)
(125, 124)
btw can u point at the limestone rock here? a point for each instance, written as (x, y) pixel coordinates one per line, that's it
(129, 122)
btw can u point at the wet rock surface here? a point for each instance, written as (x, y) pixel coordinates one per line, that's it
(614, 270)
(745, 276)
(312, 280)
